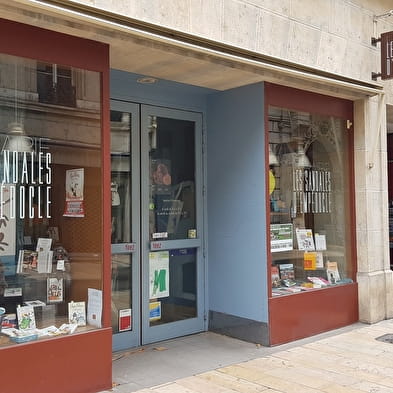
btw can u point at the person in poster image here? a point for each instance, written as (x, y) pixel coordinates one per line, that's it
(161, 175)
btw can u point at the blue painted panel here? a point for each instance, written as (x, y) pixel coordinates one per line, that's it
(124, 86)
(236, 203)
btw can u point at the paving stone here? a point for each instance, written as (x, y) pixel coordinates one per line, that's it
(172, 387)
(373, 387)
(203, 386)
(286, 386)
(335, 388)
(234, 383)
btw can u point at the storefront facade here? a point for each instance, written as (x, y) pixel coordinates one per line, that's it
(179, 184)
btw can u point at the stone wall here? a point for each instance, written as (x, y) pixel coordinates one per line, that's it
(331, 35)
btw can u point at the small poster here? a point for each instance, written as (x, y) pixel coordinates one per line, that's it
(161, 172)
(55, 292)
(159, 274)
(281, 237)
(94, 307)
(74, 193)
(154, 311)
(305, 240)
(125, 320)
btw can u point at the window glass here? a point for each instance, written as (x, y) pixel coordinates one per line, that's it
(121, 221)
(309, 201)
(50, 200)
(172, 179)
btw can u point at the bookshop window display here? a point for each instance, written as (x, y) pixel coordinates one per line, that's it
(309, 201)
(50, 201)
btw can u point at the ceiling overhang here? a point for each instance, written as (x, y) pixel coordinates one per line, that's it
(152, 50)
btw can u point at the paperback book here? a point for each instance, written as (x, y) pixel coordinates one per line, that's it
(305, 240)
(26, 317)
(332, 272)
(310, 260)
(287, 271)
(55, 291)
(77, 313)
(275, 276)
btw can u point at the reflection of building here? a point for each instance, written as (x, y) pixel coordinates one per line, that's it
(209, 89)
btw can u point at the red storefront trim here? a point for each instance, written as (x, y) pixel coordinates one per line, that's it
(81, 362)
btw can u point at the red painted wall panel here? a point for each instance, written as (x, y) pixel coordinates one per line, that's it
(79, 363)
(305, 314)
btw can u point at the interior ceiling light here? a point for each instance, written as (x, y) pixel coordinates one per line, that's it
(146, 80)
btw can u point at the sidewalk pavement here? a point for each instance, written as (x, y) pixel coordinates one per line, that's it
(347, 360)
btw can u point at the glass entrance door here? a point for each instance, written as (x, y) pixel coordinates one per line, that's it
(157, 263)
(125, 191)
(172, 269)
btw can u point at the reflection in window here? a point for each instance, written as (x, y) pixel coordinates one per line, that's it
(54, 85)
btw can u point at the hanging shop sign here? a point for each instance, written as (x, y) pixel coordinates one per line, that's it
(387, 55)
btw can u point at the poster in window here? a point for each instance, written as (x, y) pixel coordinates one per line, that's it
(74, 206)
(125, 321)
(158, 274)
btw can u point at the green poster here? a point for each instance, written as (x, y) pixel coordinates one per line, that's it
(159, 274)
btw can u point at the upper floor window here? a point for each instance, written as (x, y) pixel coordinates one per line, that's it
(55, 85)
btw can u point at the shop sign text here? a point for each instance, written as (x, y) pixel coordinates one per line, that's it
(312, 190)
(26, 179)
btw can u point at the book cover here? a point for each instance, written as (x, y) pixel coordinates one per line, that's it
(27, 261)
(281, 237)
(35, 303)
(287, 271)
(125, 320)
(332, 272)
(318, 282)
(320, 264)
(310, 260)
(77, 313)
(305, 240)
(55, 292)
(26, 317)
(44, 244)
(275, 276)
(320, 242)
